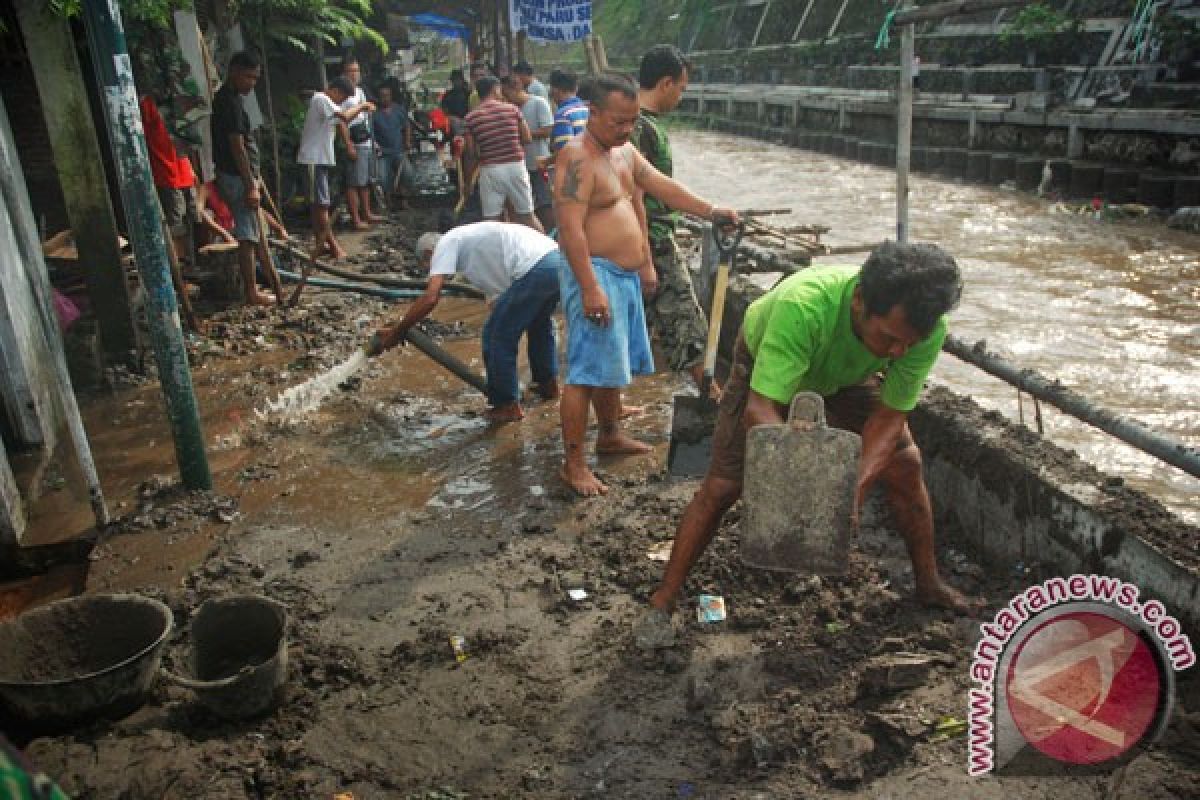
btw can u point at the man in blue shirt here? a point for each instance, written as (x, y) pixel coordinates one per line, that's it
(571, 113)
(389, 125)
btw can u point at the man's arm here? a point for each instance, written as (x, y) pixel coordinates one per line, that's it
(762, 410)
(237, 144)
(344, 135)
(523, 130)
(470, 156)
(882, 434)
(573, 184)
(647, 273)
(672, 193)
(421, 308)
(347, 115)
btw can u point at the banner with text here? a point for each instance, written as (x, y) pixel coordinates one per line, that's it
(553, 20)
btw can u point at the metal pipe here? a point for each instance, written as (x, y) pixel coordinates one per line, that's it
(904, 117)
(439, 354)
(395, 283)
(1040, 387)
(387, 293)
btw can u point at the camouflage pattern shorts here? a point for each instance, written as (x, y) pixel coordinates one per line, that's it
(673, 315)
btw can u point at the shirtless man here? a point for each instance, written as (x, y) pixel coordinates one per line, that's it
(599, 180)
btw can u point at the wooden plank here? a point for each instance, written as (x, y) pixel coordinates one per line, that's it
(24, 356)
(12, 511)
(952, 9)
(78, 163)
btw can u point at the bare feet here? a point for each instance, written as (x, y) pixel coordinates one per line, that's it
(508, 413)
(621, 444)
(943, 595)
(362, 226)
(260, 299)
(630, 411)
(335, 252)
(582, 481)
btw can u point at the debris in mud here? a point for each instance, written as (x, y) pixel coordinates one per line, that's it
(842, 754)
(164, 503)
(895, 672)
(710, 608)
(331, 325)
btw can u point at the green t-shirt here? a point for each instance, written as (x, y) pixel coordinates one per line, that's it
(650, 138)
(801, 337)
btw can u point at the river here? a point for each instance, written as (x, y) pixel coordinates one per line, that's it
(1110, 308)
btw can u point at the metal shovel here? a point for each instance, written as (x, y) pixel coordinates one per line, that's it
(693, 418)
(798, 492)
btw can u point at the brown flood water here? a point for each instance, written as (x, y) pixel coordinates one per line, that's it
(1110, 308)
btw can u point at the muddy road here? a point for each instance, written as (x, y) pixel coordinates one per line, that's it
(394, 518)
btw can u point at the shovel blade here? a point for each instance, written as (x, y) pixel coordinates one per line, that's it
(692, 422)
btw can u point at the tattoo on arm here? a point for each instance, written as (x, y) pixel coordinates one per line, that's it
(572, 180)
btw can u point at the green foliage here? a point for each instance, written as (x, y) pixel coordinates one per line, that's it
(294, 23)
(1036, 22)
(1179, 35)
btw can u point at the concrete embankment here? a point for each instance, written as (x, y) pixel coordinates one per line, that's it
(1087, 155)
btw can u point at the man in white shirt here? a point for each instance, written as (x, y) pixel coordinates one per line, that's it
(511, 264)
(524, 72)
(360, 149)
(540, 119)
(325, 112)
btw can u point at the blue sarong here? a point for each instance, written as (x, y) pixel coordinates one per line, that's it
(605, 356)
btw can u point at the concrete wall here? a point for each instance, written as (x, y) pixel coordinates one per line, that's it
(1146, 156)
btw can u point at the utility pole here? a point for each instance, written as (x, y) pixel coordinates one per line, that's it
(80, 171)
(904, 117)
(110, 56)
(907, 19)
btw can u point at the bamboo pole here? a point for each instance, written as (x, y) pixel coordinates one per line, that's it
(266, 73)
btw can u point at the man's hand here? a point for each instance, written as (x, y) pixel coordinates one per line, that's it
(369, 107)
(649, 278)
(385, 339)
(882, 433)
(724, 218)
(253, 198)
(595, 306)
(352, 153)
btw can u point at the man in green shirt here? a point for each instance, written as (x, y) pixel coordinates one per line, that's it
(833, 331)
(672, 312)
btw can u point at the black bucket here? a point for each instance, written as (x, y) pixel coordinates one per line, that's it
(238, 660)
(87, 657)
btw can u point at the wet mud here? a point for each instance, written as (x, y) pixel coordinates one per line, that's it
(394, 518)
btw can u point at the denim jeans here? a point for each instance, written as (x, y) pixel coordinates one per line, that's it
(525, 308)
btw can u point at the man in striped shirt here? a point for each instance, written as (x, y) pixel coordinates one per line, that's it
(571, 113)
(496, 135)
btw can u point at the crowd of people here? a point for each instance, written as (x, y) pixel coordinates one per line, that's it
(863, 338)
(592, 165)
